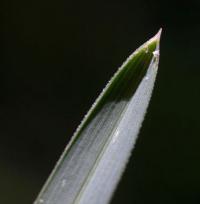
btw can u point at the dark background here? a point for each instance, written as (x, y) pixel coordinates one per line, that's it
(56, 58)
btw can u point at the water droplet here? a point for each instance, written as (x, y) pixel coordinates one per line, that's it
(41, 200)
(115, 136)
(146, 78)
(63, 183)
(156, 53)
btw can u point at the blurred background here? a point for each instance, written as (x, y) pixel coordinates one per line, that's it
(56, 58)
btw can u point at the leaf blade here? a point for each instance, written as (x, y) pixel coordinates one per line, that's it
(92, 161)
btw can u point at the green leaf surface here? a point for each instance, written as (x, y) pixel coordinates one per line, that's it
(93, 162)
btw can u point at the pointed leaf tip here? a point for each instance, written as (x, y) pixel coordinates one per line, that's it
(158, 35)
(155, 38)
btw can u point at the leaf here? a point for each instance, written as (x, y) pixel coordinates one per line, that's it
(92, 163)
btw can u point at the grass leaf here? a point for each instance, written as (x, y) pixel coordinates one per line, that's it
(92, 163)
